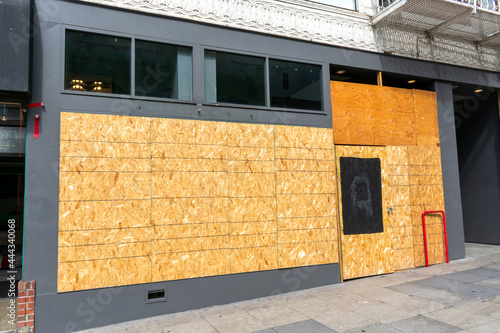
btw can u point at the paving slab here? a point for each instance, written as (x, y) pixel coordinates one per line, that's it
(476, 290)
(491, 327)
(459, 318)
(442, 283)
(491, 283)
(465, 276)
(446, 297)
(482, 307)
(306, 326)
(378, 328)
(412, 288)
(484, 271)
(423, 324)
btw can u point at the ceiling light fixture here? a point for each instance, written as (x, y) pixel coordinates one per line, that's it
(412, 81)
(340, 71)
(478, 90)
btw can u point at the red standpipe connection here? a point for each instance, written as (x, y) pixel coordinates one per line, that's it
(425, 235)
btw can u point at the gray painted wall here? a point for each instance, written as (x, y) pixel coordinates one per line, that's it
(478, 137)
(451, 178)
(15, 45)
(42, 157)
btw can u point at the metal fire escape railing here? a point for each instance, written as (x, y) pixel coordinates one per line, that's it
(489, 5)
(473, 20)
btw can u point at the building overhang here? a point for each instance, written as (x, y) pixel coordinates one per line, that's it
(472, 20)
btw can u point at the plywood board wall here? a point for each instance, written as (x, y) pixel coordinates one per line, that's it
(306, 196)
(372, 115)
(147, 199)
(367, 254)
(426, 184)
(400, 208)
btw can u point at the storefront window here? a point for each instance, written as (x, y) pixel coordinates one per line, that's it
(163, 70)
(97, 63)
(295, 85)
(234, 78)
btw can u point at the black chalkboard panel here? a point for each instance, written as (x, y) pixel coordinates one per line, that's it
(361, 186)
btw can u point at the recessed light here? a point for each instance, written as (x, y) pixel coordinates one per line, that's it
(340, 71)
(478, 90)
(412, 81)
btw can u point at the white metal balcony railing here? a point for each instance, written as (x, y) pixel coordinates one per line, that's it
(474, 20)
(490, 5)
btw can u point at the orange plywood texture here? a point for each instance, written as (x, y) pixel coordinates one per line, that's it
(167, 199)
(425, 179)
(383, 116)
(400, 205)
(367, 254)
(306, 196)
(426, 119)
(372, 115)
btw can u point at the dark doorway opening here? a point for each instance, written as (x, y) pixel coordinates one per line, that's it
(12, 176)
(477, 122)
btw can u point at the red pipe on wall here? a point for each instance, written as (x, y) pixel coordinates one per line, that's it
(425, 235)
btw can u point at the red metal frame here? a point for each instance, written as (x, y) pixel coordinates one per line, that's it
(425, 235)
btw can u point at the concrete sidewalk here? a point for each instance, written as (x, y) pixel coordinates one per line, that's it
(462, 296)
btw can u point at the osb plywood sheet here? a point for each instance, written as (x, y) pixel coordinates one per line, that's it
(397, 156)
(200, 165)
(184, 265)
(304, 254)
(250, 154)
(304, 154)
(398, 196)
(240, 135)
(189, 210)
(243, 209)
(427, 194)
(103, 273)
(367, 254)
(304, 137)
(307, 205)
(109, 128)
(425, 170)
(106, 251)
(372, 115)
(422, 156)
(306, 165)
(426, 118)
(190, 244)
(401, 215)
(104, 185)
(307, 223)
(86, 164)
(190, 230)
(188, 131)
(251, 166)
(105, 236)
(246, 241)
(189, 184)
(253, 228)
(88, 215)
(253, 259)
(184, 193)
(87, 149)
(305, 236)
(436, 253)
(188, 151)
(252, 184)
(403, 259)
(289, 182)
